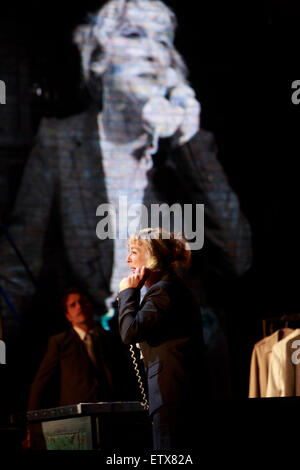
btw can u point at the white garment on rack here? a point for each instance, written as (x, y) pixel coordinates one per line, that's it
(260, 362)
(281, 377)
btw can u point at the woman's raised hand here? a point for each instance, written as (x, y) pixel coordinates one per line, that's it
(136, 279)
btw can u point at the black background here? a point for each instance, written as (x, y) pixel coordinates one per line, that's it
(242, 60)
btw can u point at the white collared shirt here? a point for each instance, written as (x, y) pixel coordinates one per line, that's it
(126, 179)
(81, 333)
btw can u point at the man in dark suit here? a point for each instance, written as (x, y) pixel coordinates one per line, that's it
(84, 362)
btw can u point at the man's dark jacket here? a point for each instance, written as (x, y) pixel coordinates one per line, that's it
(67, 365)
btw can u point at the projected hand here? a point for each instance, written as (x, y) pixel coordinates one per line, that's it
(181, 112)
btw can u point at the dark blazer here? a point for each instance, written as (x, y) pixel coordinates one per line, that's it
(65, 171)
(67, 361)
(167, 323)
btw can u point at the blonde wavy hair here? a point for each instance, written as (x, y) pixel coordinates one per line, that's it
(93, 36)
(164, 250)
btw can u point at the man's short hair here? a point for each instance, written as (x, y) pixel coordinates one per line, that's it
(73, 290)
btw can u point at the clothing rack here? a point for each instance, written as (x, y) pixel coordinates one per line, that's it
(286, 319)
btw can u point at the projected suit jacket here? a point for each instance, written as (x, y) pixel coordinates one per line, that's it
(64, 171)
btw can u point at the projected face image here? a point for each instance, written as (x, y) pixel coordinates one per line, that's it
(139, 53)
(134, 72)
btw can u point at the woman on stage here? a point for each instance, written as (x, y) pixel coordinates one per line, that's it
(166, 322)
